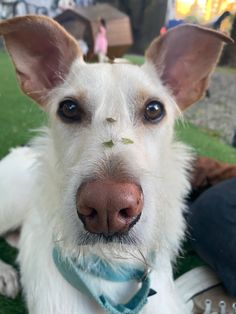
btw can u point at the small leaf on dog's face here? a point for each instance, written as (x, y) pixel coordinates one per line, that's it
(109, 144)
(111, 120)
(126, 141)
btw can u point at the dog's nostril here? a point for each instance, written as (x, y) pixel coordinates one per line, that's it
(125, 213)
(87, 213)
(92, 212)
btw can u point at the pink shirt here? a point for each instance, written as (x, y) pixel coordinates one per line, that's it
(101, 41)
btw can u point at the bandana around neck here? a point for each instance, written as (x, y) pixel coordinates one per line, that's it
(78, 273)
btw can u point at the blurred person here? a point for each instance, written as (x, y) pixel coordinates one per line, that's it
(163, 30)
(173, 23)
(101, 43)
(212, 218)
(170, 24)
(211, 221)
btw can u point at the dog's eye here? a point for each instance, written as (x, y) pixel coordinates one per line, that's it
(154, 111)
(69, 110)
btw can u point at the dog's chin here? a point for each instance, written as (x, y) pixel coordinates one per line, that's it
(91, 239)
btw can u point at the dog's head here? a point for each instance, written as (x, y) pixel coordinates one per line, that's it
(117, 173)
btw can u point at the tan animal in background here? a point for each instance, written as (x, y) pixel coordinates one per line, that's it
(100, 194)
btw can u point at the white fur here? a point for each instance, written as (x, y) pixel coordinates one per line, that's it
(40, 184)
(16, 185)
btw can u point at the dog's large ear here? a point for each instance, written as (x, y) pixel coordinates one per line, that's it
(42, 52)
(184, 58)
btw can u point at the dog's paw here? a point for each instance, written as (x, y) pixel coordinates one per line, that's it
(9, 281)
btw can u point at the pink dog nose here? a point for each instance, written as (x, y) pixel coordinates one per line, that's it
(109, 207)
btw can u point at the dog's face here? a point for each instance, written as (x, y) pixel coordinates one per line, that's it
(119, 144)
(121, 176)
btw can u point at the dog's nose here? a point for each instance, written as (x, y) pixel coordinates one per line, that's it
(108, 207)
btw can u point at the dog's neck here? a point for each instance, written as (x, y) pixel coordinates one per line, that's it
(80, 273)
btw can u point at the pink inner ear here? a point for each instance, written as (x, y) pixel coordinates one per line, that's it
(184, 58)
(187, 82)
(42, 53)
(37, 72)
(38, 63)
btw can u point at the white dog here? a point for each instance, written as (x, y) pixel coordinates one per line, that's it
(100, 195)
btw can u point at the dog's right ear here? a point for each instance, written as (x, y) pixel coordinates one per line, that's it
(42, 52)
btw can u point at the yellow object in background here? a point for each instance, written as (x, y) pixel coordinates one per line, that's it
(204, 11)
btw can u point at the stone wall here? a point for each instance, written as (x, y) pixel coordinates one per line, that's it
(217, 113)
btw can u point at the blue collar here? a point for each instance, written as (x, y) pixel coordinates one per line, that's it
(76, 272)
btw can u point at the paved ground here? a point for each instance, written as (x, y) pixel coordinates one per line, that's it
(217, 113)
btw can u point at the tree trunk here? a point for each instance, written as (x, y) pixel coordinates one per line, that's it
(229, 53)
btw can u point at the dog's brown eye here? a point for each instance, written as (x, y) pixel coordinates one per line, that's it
(69, 110)
(154, 111)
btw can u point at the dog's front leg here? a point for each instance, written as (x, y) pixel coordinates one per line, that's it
(16, 185)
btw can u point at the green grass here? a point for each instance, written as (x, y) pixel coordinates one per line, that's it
(205, 144)
(136, 59)
(227, 70)
(18, 115)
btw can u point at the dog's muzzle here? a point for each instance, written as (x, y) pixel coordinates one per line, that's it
(108, 207)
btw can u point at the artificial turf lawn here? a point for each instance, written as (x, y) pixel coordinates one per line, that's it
(18, 115)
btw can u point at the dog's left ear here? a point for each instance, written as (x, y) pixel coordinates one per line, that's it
(184, 58)
(42, 52)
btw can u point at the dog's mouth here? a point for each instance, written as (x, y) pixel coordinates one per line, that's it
(126, 237)
(91, 239)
